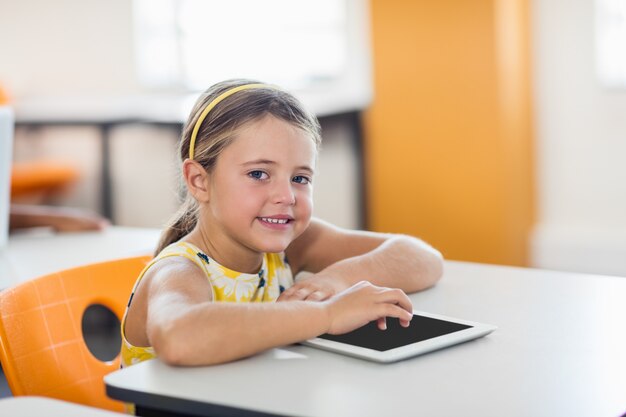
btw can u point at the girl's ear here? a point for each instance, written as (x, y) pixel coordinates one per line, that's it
(197, 180)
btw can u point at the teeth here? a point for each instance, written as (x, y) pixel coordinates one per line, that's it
(275, 221)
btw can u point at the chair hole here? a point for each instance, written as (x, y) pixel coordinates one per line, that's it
(101, 331)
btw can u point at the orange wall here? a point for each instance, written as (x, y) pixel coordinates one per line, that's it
(447, 138)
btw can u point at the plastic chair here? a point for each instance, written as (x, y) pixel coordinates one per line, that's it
(40, 179)
(42, 348)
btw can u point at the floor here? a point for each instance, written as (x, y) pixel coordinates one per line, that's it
(4, 387)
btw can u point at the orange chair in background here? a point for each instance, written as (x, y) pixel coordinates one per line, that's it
(40, 179)
(32, 182)
(5, 98)
(42, 349)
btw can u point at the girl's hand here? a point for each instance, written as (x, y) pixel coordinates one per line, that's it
(363, 303)
(68, 220)
(61, 219)
(313, 288)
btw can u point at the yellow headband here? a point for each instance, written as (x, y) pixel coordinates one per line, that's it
(215, 102)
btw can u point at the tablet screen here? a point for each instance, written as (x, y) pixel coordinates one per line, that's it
(421, 328)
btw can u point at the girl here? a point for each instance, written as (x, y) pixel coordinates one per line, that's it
(221, 286)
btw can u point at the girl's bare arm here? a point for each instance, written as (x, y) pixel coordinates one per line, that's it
(339, 258)
(186, 327)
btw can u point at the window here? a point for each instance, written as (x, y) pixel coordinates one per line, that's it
(319, 46)
(611, 42)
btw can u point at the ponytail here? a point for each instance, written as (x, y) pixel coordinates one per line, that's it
(182, 223)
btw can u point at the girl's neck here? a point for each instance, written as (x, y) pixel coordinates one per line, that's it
(226, 252)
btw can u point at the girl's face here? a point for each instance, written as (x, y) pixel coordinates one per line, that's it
(260, 190)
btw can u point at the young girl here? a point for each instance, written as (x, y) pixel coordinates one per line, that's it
(221, 286)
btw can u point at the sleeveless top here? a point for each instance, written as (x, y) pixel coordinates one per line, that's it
(226, 285)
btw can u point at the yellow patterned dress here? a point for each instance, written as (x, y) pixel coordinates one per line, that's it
(226, 285)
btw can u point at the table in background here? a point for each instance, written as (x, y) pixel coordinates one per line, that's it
(42, 407)
(34, 253)
(559, 351)
(168, 111)
(105, 113)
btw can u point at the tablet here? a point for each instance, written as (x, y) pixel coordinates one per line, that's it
(426, 333)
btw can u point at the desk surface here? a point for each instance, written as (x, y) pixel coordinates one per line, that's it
(40, 406)
(35, 253)
(558, 351)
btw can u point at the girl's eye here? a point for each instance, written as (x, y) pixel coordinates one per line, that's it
(301, 179)
(257, 175)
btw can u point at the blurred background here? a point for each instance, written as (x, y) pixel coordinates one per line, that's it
(493, 129)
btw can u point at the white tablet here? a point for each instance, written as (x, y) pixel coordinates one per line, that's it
(427, 332)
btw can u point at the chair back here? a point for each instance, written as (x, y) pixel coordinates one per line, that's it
(42, 348)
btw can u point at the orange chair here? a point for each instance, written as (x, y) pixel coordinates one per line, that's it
(5, 97)
(40, 179)
(42, 349)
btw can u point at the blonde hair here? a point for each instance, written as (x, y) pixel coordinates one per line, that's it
(220, 127)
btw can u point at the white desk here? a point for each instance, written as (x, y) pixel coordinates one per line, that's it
(40, 407)
(560, 350)
(35, 253)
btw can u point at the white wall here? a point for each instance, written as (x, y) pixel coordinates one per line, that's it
(581, 146)
(84, 48)
(66, 47)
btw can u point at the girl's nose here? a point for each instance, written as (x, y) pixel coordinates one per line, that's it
(283, 193)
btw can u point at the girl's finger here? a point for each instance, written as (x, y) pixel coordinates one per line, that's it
(284, 296)
(405, 323)
(382, 323)
(294, 293)
(300, 293)
(316, 296)
(392, 310)
(398, 297)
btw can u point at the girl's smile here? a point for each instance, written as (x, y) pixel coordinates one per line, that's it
(279, 222)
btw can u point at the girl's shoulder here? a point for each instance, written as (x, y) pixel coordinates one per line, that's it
(182, 257)
(178, 253)
(184, 249)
